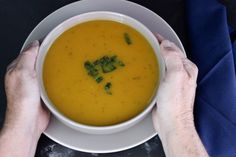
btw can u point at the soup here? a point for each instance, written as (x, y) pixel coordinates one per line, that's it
(100, 73)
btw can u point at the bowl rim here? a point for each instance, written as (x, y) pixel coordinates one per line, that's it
(39, 70)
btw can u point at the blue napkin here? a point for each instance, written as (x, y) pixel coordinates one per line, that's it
(215, 55)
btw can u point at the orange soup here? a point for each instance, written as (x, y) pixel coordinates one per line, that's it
(101, 73)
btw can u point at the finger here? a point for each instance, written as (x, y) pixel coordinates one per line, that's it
(154, 118)
(191, 69)
(46, 112)
(159, 37)
(45, 109)
(43, 105)
(28, 57)
(172, 58)
(172, 47)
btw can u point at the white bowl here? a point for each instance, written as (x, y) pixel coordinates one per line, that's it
(98, 15)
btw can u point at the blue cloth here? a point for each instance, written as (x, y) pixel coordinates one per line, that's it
(212, 50)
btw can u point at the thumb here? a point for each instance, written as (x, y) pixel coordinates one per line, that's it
(172, 57)
(154, 118)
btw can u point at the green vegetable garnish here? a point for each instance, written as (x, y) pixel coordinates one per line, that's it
(106, 68)
(113, 58)
(107, 88)
(127, 39)
(101, 66)
(92, 71)
(106, 63)
(99, 79)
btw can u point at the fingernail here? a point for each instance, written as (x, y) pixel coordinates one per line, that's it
(35, 43)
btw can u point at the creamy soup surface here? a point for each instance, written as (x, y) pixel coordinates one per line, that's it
(117, 90)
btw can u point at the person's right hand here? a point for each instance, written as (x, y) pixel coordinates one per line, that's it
(25, 112)
(174, 109)
(26, 118)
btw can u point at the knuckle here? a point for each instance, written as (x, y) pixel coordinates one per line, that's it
(194, 71)
(176, 62)
(9, 78)
(26, 52)
(8, 71)
(191, 69)
(17, 72)
(192, 81)
(23, 73)
(195, 68)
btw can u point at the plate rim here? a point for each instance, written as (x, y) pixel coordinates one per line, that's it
(102, 151)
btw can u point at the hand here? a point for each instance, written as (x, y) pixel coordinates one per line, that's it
(174, 109)
(25, 112)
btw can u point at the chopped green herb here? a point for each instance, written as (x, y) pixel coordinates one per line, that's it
(113, 58)
(107, 88)
(99, 79)
(88, 65)
(109, 67)
(127, 39)
(101, 66)
(92, 71)
(106, 63)
(96, 62)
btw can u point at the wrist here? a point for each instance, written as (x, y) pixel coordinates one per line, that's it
(176, 124)
(21, 131)
(21, 125)
(13, 138)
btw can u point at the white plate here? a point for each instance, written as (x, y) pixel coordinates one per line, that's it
(126, 139)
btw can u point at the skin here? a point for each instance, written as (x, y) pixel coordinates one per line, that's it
(26, 117)
(173, 114)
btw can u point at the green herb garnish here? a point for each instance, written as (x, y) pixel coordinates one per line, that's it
(107, 88)
(106, 63)
(99, 79)
(92, 71)
(101, 66)
(113, 58)
(106, 68)
(127, 39)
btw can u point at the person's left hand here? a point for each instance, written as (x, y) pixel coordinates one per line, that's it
(25, 112)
